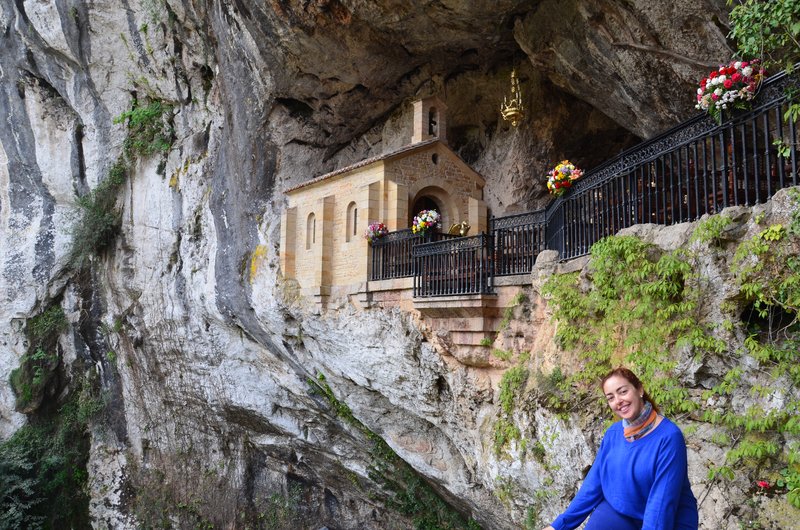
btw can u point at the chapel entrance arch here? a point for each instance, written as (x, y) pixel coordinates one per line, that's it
(433, 198)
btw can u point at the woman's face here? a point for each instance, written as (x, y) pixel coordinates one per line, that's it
(624, 399)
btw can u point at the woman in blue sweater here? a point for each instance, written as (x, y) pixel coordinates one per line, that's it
(639, 478)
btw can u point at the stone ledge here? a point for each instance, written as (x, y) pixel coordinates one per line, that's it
(393, 284)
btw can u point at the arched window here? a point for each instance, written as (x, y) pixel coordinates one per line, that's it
(352, 221)
(433, 122)
(311, 231)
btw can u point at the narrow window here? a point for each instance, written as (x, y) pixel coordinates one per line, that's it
(432, 122)
(311, 231)
(351, 228)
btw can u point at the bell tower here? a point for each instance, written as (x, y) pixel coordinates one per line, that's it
(430, 120)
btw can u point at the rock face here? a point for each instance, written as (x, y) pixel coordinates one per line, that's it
(214, 404)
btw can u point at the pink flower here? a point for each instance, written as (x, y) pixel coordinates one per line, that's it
(728, 83)
(736, 77)
(763, 484)
(714, 97)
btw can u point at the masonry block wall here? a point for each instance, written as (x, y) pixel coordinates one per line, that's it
(437, 171)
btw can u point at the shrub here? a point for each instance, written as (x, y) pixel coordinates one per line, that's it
(149, 129)
(37, 369)
(99, 219)
(43, 468)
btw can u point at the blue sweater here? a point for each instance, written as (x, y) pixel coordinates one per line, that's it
(646, 479)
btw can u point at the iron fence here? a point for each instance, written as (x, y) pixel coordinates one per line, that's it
(696, 168)
(392, 253)
(518, 239)
(454, 267)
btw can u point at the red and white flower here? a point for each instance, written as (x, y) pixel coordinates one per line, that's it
(731, 86)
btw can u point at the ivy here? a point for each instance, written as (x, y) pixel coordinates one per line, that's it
(710, 230)
(641, 307)
(637, 310)
(767, 29)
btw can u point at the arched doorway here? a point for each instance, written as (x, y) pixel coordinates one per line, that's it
(432, 198)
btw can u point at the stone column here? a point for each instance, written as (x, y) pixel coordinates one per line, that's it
(288, 241)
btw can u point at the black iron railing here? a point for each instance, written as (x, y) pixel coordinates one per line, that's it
(518, 239)
(454, 267)
(391, 254)
(696, 168)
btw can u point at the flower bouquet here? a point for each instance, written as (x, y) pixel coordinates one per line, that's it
(560, 178)
(375, 231)
(732, 86)
(424, 220)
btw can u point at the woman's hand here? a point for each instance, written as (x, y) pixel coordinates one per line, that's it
(548, 528)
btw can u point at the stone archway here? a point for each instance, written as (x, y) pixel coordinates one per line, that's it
(433, 197)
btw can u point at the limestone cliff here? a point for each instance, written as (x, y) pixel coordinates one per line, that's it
(228, 400)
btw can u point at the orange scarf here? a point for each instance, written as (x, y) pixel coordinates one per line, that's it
(640, 426)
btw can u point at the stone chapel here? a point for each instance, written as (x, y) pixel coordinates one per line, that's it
(322, 229)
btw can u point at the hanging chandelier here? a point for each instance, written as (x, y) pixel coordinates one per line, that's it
(512, 108)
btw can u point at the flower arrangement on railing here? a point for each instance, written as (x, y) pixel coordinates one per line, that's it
(560, 178)
(375, 231)
(425, 220)
(733, 86)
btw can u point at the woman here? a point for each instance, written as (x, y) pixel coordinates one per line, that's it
(639, 478)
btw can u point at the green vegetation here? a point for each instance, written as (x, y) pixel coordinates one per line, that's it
(43, 468)
(280, 511)
(98, 223)
(411, 496)
(43, 465)
(642, 311)
(503, 355)
(505, 431)
(508, 312)
(641, 307)
(770, 30)
(37, 369)
(710, 230)
(149, 129)
(99, 220)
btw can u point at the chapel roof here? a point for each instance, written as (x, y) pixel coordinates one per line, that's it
(367, 161)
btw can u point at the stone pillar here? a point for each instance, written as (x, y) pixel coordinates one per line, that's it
(322, 267)
(288, 242)
(477, 216)
(397, 207)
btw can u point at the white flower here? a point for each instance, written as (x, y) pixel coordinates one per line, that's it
(737, 64)
(721, 79)
(699, 91)
(718, 91)
(747, 70)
